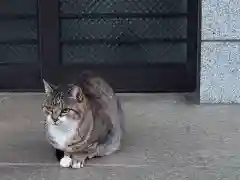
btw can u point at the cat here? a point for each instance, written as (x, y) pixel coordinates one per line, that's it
(84, 119)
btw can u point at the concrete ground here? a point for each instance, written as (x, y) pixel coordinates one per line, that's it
(166, 139)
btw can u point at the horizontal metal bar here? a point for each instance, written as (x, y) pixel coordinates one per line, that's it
(17, 16)
(131, 65)
(20, 41)
(105, 41)
(20, 63)
(123, 15)
(158, 77)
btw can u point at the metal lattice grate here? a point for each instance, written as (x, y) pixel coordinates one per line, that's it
(18, 53)
(17, 7)
(123, 6)
(124, 29)
(20, 29)
(124, 54)
(18, 32)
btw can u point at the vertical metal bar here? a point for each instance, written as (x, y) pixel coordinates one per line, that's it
(193, 47)
(49, 35)
(198, 60)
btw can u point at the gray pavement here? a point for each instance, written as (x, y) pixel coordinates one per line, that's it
(166, 139)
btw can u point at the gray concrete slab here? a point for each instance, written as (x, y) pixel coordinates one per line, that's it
(28, 173)
(21, 130)
(149, 173)
(165, 139)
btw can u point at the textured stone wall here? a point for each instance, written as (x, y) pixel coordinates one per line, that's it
(220, 55)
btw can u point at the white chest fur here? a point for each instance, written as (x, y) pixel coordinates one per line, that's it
(62, 132)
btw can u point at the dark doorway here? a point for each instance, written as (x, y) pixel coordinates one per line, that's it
(138, 46)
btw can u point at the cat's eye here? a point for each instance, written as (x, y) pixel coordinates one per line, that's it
(65, 111)
(48, 108)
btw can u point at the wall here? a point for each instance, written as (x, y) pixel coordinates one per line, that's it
(220, 54)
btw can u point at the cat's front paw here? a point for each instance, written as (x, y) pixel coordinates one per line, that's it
(66, 162)
(76, 164)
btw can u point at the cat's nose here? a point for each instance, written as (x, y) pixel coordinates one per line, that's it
(55, 115)
(54, 118)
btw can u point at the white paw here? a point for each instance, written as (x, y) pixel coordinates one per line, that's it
(66, 162)
(78, 164)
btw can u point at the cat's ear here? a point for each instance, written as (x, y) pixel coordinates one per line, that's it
(77, 93)
(47, 87)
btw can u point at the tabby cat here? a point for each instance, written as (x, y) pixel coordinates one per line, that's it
(84, 119)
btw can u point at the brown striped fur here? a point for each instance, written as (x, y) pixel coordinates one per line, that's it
(91, 102)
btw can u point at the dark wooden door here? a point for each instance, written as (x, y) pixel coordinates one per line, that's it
(20, 66)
